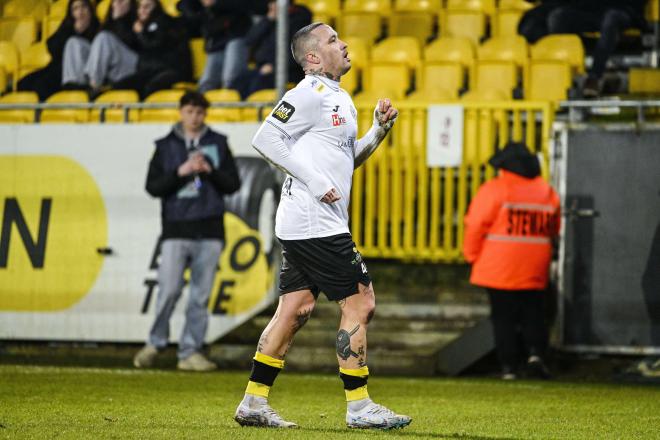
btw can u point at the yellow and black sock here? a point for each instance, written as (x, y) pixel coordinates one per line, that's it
(355, 383)
(264, 371)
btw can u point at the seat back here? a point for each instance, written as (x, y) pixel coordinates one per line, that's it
(22, 31)
(429, 6)
(405, 50)
(412, 24)
(495, 75)
(465, 23)
(198, 56)
(437, 95)
(562, 47)
(380, 7)
(118, 114)
(17, 116)
(66, 115)
(549, 80)
(505, 22)
(49, 25)
(223, 114)
(160, 115)
(449, 77)
(365, 25)
(9, 60)
(256, 114)
(486, 6)
(451, 49)
(33, 58)
(324, 11)
(388, 76)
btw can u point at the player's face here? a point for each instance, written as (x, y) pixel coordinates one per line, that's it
(332, 51)
(192, 117)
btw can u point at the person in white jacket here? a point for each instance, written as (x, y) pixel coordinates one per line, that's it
(311, 135)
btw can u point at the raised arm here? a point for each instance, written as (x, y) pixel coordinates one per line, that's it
(384, 117)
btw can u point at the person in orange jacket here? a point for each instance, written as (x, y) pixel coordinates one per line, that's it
(509, 230)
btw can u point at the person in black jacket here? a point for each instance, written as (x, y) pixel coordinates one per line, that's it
(81, 23)
(262, 41)
(191, 170)
(223, 25)
(610, 18)
(111, 56)
(163, 51)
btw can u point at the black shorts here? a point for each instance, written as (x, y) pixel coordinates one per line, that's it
(332, 265)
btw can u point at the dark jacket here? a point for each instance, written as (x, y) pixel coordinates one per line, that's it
(262, 39)
(187, 211)
(162, 44)
(122, 27)
(222, 22)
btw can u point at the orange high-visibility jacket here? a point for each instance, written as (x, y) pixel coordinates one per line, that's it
(508, 232)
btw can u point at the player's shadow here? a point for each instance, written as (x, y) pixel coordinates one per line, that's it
(414, 434)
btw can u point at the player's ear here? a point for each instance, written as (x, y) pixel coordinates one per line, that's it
(312, 58)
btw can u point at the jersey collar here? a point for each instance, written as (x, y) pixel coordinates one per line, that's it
(334, 85)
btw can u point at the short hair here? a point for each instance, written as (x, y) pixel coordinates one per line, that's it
(300, 42)
(195, 99)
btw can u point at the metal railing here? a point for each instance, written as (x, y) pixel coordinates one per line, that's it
(401, 208)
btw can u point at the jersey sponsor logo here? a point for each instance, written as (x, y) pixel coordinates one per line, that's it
(338, 120)
(284, 112)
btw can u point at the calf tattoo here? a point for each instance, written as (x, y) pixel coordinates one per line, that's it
(344, 343)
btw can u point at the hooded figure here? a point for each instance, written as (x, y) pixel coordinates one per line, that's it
(509, 229)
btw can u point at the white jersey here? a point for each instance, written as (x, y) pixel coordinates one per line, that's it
(311, 135)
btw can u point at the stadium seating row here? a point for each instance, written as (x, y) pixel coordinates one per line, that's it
(116, 100)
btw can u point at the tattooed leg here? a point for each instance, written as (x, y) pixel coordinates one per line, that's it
(356, 312)
(293, 311)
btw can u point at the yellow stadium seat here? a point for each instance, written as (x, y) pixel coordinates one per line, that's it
(254, 114)
(505, 22)
(16, 116)
(49, 25)
(563, 47)
(370, 98)
(521, 5)
(412, 24)
(9, 60)
(358, 51)
(170, 115)
(495, 75)
(388, 76)
(198, 56)
(366, 25)
(644, 80)
(404, 50)
(351, 80)
(432, 96)
(381, 7)
(66, 115)
(58, 8)
(3, 80)
(170, 7)
(102, 9)
(451, 49)
(429, 6)
(22, 31)
(116, 114)
(322, 10)
(33, 58)
(466, 23)
(448, 77)
(36, 9)
(219, 114)
(548, 80)
(652, 11)
(485, 6)
(485, 95)
(510, 49)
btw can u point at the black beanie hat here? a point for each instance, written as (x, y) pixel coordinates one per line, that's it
(516, 157)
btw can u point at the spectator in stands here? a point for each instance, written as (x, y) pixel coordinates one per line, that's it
(262, 40)
(223, 25)
(533, 24)
(191, 171)
(509, 229)
(80, 23)
(163, 51)
(110, 57)
(610, 18)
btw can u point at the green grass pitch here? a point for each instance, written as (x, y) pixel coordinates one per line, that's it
(74, 403)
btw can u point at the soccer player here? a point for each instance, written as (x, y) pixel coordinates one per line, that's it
(311, 136)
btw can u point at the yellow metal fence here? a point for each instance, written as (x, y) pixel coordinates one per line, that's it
(401, 208)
